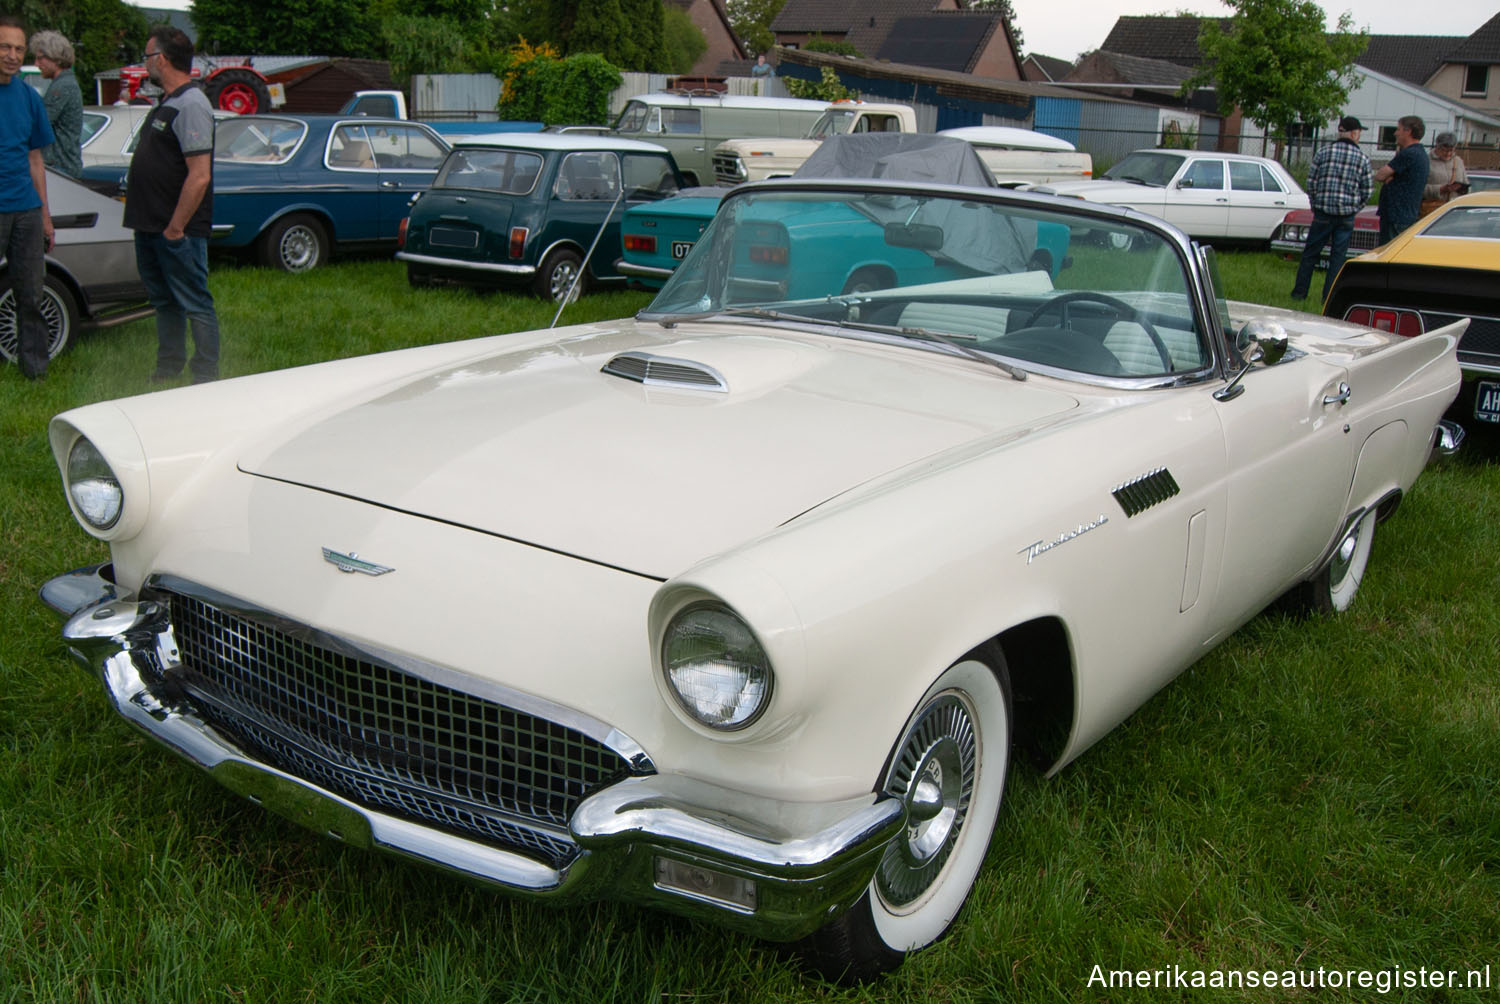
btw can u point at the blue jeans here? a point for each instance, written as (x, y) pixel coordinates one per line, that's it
(1391, 226)
(1334, 231)
(175, 274)
(25, 250)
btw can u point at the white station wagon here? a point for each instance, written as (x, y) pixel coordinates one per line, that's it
(738, 608)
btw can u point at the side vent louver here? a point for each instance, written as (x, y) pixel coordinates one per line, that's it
(661, 371)
(1140, 494)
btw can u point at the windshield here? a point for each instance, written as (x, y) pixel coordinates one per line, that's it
(833, 122)
(1040, 288)
(1151, 167)
(513, 172)
(1474, 222)
(257, 140)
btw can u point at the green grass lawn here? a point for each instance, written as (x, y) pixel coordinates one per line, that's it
(1312, 794)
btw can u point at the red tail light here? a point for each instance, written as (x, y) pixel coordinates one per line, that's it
(518, 241)
(768, 254)
(1402, 322)
(401, 232)
(638, 242)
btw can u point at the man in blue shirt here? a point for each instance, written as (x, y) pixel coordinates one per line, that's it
(1339, 185)
(25, 224)
(1402, 180)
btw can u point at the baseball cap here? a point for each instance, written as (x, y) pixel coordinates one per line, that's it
(1349, 123)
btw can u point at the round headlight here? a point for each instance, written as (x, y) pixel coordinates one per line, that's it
(96, 492)
(715, 667)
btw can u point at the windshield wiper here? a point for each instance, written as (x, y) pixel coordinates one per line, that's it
(942, 338)
(671, 320)
(919, 334)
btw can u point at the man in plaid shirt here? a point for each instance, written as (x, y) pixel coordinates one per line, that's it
(1339, 184)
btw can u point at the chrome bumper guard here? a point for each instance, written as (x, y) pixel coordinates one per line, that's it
(1448, 438)
(775, 869)
(454, 264)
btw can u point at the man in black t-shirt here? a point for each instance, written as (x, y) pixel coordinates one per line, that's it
(169, 205)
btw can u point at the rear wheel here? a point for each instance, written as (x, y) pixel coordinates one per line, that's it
(296, 243)
(59, 313)
(1333, 589)
(240, 91)
(561, 276)
(949, 768)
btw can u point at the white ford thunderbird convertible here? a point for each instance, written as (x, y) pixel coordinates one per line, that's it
(739, 607)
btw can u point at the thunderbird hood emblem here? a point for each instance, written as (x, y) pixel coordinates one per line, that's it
(352, 562)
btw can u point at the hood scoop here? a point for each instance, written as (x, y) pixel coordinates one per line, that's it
(665, 371)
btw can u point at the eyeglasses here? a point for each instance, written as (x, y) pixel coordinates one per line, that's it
(148, 56)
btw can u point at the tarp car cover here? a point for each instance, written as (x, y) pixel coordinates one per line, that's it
(896, 156)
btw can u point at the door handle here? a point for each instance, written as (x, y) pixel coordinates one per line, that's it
(1341, 397)
(697, 149)
(390, 184)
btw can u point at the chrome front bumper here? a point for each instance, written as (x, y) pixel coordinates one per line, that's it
(775, 869)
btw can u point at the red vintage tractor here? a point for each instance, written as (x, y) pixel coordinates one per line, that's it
(239, 89)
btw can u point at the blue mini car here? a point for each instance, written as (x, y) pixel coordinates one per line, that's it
(292, 189)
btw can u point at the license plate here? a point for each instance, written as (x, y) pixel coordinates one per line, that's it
(681, 248)
(1487, 401)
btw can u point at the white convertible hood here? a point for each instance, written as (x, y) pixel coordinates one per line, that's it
(538, 445)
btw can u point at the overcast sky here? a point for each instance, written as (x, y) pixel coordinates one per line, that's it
(1068, 28)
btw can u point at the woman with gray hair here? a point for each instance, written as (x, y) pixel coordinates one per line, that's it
(1446, 176)
(64, 101)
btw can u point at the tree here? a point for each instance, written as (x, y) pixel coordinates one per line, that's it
(682, 40)
(751, 21)
(1278, 64)
(287, 27)
(1005, 10)
(105, 33)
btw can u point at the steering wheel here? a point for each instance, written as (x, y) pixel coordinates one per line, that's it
(1123, 310)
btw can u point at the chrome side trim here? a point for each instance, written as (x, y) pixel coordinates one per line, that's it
(473, 266)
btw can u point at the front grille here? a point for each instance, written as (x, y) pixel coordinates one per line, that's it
(728, 169)
(386, 739)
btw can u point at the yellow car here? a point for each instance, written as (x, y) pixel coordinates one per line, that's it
(1444, 267)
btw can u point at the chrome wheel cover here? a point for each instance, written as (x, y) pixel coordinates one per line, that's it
(934, 774)
(560, 280)
(298, 248)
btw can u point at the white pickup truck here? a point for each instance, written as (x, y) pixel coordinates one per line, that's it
(1014, 156)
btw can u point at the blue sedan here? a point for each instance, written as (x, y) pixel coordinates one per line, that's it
(291, 189)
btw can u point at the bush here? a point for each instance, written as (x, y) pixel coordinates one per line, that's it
(539, 86)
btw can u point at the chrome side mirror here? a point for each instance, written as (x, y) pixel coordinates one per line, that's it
(1262, 341)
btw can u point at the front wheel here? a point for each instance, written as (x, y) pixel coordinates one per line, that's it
(949, 768)
(296, 243)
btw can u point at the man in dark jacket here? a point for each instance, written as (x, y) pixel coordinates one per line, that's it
(1339, 185)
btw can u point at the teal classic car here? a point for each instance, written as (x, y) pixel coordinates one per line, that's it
(539, 210)
(656, 237)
